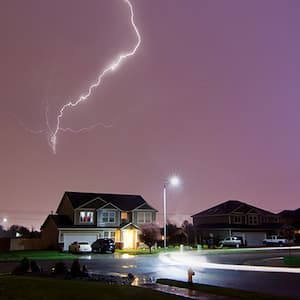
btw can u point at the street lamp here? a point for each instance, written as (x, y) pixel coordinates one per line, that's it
(174, 181)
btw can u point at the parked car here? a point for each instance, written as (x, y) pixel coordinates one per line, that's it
(232, 241)
(78, 247)
(103, 245)
(275, 240)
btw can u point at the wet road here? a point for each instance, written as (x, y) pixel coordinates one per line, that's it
(209, 268)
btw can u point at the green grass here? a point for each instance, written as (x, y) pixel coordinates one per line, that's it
(34, 288)
(292, 261)
(35, 255)
(228, 292)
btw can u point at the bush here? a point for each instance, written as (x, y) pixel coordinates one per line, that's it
(35, 268)
(23, 267)
(60, 268)
(75, 268)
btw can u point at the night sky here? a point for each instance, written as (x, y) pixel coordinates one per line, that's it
(212, 94)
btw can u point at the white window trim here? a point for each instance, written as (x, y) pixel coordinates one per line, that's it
(143, 220)
(86, 211)
(108, 217)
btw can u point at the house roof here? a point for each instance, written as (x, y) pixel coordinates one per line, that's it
(290, 213)
(232, 207)
(59, 220)
(124, 202)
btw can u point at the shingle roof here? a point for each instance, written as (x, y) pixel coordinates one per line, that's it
(229, 207)
(290, 213)
(124, 202)
(59, 220)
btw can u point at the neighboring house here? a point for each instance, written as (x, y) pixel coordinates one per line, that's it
(235, 218)
(291, 221)
(89, 216)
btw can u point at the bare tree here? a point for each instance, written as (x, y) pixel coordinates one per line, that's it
(150, 234)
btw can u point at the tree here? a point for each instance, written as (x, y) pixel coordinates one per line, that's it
(150, 234)
(189, 230)
(21, 230)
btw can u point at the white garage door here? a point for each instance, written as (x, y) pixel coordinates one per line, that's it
(69, 238)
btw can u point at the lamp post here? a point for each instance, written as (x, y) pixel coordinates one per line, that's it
(174, 181)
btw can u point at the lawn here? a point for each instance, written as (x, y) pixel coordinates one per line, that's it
(35, 288)
(228, 292)
(292, 261)
(35, 255)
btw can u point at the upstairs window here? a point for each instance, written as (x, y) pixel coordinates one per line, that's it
(144, 217)
(86, 217)
(108, 217)
(252, 220)
(237, 219)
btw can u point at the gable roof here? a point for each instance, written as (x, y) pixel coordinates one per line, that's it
(59, 220)
(232, 207)
(290, 213)
(124, 202)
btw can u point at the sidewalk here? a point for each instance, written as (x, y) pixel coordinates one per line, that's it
(187, 293)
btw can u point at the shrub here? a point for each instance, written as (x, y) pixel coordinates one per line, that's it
(23, 267)
(75, 268)
(60, 268)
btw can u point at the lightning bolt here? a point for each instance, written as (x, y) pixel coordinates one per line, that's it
(84, 97)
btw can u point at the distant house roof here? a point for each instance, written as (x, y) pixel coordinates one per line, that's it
(124, 202)
(290, 213)
(59, 220)
(232, 207)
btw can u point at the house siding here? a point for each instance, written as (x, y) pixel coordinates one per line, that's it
(65, 208)
(211, 220)
(49, 235)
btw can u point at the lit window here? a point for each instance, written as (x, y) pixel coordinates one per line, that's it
(124, 215)
(108, 217)
(86, 217)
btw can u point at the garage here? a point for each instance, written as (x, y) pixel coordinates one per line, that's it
(69, 238)
(252, 238)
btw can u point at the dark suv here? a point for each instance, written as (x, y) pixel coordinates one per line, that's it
(103, 245)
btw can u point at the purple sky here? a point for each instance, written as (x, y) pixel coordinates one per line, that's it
(212, 94)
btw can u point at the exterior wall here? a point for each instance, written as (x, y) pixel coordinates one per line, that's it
(221, 219)
(65, 208)
(49, 235)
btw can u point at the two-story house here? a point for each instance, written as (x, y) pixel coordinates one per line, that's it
(89, 216)
(236, 218)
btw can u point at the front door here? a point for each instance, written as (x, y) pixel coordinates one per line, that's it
(129, 238)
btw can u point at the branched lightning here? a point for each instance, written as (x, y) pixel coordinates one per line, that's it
(111, 67)
(86, 128)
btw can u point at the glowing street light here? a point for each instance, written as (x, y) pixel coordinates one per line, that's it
(174, 181)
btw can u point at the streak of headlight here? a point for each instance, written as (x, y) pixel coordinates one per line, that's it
(200, 262)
